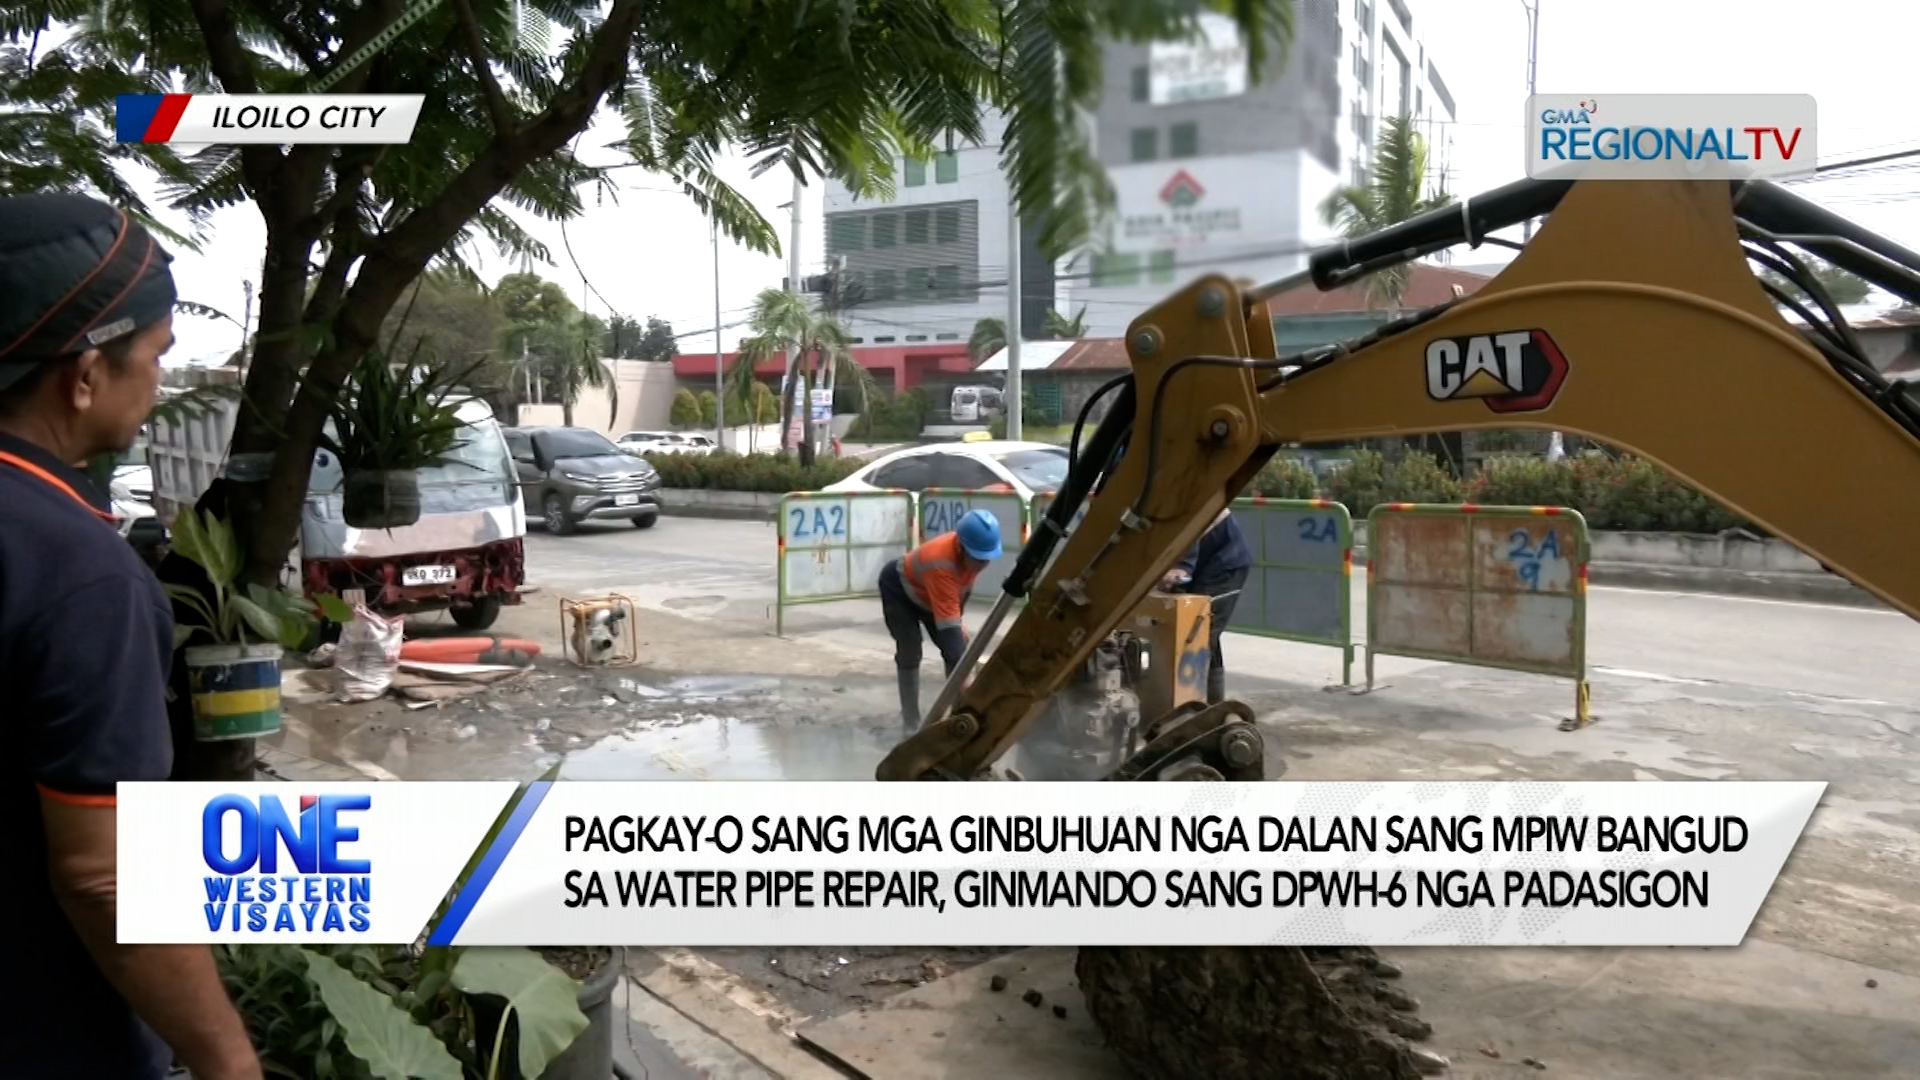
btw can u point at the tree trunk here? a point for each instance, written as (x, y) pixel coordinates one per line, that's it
(566, 411)
(1250, 1013)
(806, 414)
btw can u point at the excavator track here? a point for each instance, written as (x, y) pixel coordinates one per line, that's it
(1237, 1013)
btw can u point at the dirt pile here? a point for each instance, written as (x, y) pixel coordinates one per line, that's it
(1254, 1013)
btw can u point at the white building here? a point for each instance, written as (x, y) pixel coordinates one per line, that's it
(1216, 174)
(932, 261)
(1211, 173)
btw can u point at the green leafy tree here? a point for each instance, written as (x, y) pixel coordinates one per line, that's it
(1396, 190)
(709, 406)
(459, 322)
(350, 228)
(657, 342)
(57, 131)
(623, 338)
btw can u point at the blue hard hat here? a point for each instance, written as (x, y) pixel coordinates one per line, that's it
(980, 535)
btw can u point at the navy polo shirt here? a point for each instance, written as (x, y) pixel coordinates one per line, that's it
(86, 644)
(1220, 552)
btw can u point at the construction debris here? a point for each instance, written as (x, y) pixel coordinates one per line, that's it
(1033, 998)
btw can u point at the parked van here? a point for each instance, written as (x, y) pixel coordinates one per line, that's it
(465, 555)
(973, 404)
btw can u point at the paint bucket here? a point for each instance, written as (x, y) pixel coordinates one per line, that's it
(236, 691)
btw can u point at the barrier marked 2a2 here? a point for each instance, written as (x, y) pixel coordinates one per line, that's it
(832, 546)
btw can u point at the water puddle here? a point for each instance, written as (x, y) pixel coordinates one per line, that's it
(705, 746)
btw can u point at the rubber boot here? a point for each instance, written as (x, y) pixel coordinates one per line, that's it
(909, 697)
(1216, 686)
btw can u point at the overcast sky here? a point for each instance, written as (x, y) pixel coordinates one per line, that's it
(651, 254)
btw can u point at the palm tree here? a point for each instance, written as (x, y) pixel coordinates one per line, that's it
(566, 354)
(1395, 192)
(989, 337)
(781, 319)
(1061, 328)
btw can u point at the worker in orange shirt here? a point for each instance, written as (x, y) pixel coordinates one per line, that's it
(927, 589)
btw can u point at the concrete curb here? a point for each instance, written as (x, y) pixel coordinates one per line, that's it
(723, 505)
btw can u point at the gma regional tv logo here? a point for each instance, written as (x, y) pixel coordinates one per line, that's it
(1670, 136)
(1512, 370)
(280, 871)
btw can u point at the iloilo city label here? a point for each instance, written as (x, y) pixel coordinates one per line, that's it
(276, 119)
(1670, 136)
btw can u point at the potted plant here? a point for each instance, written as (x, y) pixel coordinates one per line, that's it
(387, 422)
(234, 675)
(456, 1013)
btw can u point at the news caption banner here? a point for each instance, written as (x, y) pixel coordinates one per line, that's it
(863, 863)
(274, 119)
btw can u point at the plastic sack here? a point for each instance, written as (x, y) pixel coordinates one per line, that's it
(368, 655)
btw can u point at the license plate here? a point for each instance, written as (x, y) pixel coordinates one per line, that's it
(427, 575)
(626, 500)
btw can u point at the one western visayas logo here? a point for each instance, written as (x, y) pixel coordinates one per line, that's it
(1512, 371)
(316, 888)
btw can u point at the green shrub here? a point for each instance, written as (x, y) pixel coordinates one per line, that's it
(685, 410)
(766, 405)
(709, 408)
(901, 416)
(1361, 484)
(1283, 478)
(1625, 493)
(1420, 478)
(780, 472)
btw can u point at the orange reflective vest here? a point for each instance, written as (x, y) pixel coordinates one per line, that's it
(937, 577)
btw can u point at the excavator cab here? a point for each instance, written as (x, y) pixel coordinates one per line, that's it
(1634, 317)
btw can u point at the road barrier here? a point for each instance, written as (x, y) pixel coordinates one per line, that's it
(1300, 587)
(1491, 586)
(833, 546)
(940, 511)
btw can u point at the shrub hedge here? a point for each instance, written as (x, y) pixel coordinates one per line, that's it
(780, 472)
(1615, 493)
(1610, 492)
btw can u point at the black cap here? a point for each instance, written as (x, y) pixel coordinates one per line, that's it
(75, 274)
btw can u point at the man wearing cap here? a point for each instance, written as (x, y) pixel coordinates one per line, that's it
(927, 589)
(86, 643)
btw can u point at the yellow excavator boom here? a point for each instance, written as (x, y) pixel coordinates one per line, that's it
(1632, 318)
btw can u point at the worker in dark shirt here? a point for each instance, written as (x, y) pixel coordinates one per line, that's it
(1217, 566)
(86, 643)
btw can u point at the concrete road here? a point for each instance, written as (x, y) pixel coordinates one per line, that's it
(1684, 687)
(725, 570)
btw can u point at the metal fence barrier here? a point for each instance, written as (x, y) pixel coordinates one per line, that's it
(833, 546)
(940, 511)
(1491, 586)
(1300, 587)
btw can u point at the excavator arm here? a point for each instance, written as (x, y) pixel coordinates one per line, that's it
(1632, 317)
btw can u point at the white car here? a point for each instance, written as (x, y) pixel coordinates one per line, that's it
(664, 442)
(1024, 467)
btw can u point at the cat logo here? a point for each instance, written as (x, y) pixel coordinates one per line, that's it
(1513, 371)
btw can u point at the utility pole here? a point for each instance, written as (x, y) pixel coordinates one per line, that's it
(804, 410)
(1533, 53)
(1012, 396)
(719, 371)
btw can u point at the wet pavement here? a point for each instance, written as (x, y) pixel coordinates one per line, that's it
(1684, 687)
(620, 724)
